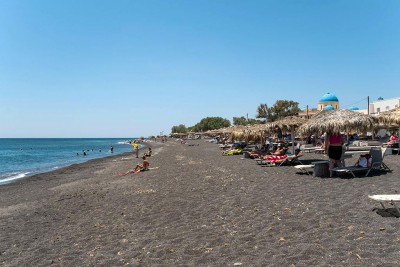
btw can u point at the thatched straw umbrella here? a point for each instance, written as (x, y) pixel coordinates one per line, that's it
(336, 121)
(391, 117)
(289, 123)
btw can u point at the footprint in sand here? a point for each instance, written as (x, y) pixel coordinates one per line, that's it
(179, 157)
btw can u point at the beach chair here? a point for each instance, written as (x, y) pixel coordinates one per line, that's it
(292, 160)
(388, 198)
(383, 165)
(272, 160)
(306, 169)
(377, 164)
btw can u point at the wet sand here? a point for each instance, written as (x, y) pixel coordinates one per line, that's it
(198, 208)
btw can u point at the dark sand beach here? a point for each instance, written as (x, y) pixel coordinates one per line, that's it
(198, 208)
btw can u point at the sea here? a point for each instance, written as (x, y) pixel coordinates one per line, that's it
(23, 157)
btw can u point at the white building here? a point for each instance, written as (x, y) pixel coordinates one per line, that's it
(381, 105)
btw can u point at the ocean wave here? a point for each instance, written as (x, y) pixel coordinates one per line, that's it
(13, 176)
(123, 143)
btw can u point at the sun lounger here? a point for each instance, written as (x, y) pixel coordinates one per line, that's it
(280, 160)
(292, 160)
(392, 199)
(264, 162)
(308, 149)
(306, 169)
(377, 164)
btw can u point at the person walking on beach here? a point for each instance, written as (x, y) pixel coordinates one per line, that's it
(136, 148)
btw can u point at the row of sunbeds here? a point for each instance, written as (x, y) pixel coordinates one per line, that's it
(376, 154)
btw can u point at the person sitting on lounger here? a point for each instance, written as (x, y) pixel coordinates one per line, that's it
(274, 159)
(393, 138)
(280, 151)
(144, 166)
(364, 161)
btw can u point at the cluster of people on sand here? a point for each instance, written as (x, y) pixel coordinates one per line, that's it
(140, 167)
(136, 150)
(144, 166)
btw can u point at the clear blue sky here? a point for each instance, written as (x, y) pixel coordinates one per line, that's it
(130, 68)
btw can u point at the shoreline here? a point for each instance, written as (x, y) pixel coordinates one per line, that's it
(29, 176)
(197, 208)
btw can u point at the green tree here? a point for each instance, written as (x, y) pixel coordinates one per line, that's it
(284, 108)
(263, 112)
(240, 121)
(243, 121)
(279, 110)
(254, 121)
(181, 128)
(211, 123)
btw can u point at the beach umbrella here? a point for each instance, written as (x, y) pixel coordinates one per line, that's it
(289, 123)
(257, 132)
(390, 118)
(336, 121)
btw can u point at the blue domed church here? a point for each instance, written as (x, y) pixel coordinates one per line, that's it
(328, 102)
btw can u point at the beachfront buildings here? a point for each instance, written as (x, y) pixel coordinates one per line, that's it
(381, 105)
(331, 102)
(327, 102)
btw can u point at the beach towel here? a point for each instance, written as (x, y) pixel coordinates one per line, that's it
(274, 159)
(133, 171)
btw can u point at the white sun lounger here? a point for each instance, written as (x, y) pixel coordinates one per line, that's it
(388, 198)
(377, 164)
(305, 168)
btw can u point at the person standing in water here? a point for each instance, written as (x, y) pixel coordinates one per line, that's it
(111, 149)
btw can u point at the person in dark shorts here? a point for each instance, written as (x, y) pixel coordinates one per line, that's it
(333, 146)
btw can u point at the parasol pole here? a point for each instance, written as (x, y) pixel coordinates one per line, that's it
(292, 134)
